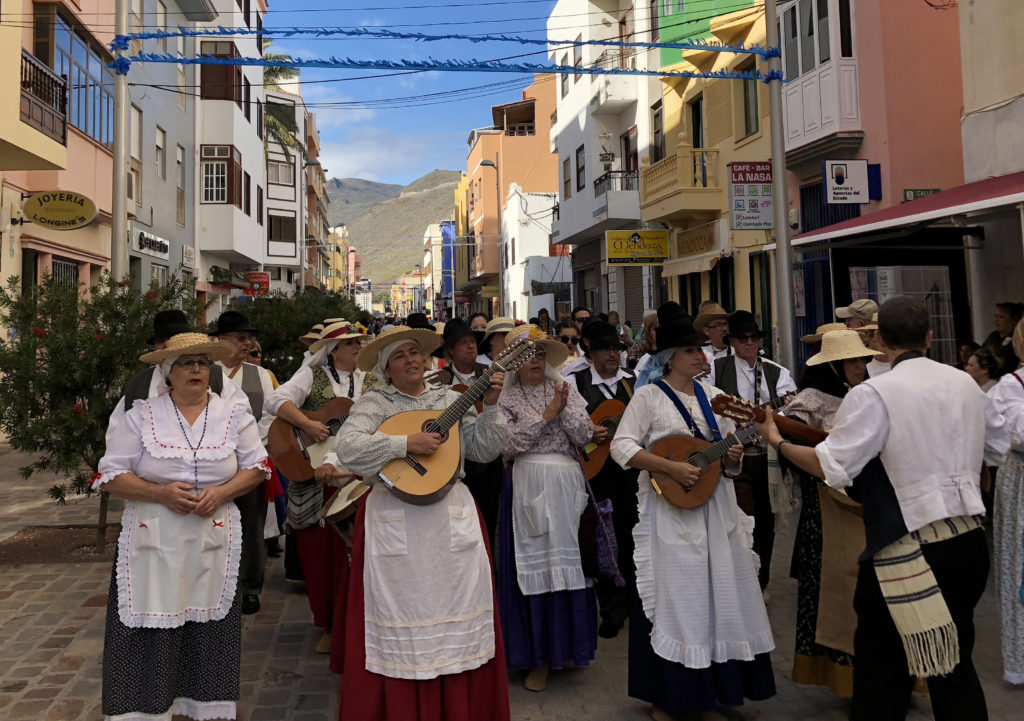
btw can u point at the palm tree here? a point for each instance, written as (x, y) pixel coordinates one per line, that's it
(279, 119)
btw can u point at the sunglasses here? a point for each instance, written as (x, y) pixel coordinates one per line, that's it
(255, 354)
(581, 318)
(567, 339)
(747, 338)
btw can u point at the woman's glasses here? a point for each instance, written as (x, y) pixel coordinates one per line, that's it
(255, 354)
(189, 364)
(567, 339)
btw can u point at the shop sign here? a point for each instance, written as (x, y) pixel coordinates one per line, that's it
(750, 196)
(915, 193)
(461, 298)
(150, 244)
(60, 210)
(489, 291)
(697, 241)
(846, 181)
(259, 284)
(636, 247)
(188, 257)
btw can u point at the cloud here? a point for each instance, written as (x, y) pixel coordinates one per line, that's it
(380, 154)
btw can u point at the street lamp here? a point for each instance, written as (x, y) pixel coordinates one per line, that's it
(501, 246)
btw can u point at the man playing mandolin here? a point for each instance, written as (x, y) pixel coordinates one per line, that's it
(422, 634)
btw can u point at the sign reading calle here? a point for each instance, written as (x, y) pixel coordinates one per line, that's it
(60, 210)
(636, 247)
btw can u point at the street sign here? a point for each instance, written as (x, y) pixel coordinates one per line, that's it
(259, 284)
(751, 204)
(915, 193)
(636, 247)
(846, 182)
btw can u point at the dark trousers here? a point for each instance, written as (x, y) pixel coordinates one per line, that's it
(881, 682)
(253, 508)
(484, 483)
(752, 496)
(620, 486)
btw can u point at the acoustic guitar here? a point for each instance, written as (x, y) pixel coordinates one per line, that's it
(424, 479)
(462, 388)
(293, 452)
(743, 411)
(707, 456)
(593, 455)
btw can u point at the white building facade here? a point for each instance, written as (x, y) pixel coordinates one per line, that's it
(286, 196)
(533, 278)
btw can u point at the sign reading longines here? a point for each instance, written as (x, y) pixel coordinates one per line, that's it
(60, 210)
(636, 247)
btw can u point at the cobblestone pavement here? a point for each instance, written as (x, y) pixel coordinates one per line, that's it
(51, 638)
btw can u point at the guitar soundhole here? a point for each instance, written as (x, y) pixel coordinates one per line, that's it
(426, 428)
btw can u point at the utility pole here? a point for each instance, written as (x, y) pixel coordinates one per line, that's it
(119, 201)
(783, 250)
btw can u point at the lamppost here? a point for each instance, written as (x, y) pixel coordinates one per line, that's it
(501, 246)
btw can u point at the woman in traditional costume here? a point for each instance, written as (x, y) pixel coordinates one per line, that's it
(173, 633)
(548, 607)
(698, 632)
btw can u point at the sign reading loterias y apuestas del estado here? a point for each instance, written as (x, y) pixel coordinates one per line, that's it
(59, 210)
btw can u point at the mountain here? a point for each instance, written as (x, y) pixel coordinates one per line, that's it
(386, 222)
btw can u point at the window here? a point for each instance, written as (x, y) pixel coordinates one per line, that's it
(748, 90)
(246, 192)
(246, 96)
(179, 161)
(157, 275)
(259, 203)
(281, 229)
(246, 13)
(521, 129)
(564, 77)
(64, 271)
(806, 41)
(135, 162)
(259, 33)
(135, 25)
(577, 56)
(259, 119)
(789, 47)
(220, 82)
(161, 23)
(627, 56)
(181, 88)
(824, 52)
(845, 30)
(806, 17)
(82, 60)
(280, 172)
(657, 133)
(654, 21)
(136, 131)
(581, 170)
(566, 180)
(161, 154)
(221, 172)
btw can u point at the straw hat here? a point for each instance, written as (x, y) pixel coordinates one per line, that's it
(189, 344)
(495, 325)
(822, 330)
(841, 345)
(313, 336)
(427, 340)
(710, 313)
(557, 351)
(336, 331)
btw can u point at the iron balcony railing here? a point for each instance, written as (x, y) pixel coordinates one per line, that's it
(44, 98)
(616, 180)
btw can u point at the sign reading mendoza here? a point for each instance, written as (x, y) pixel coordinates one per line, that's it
(60, 210)
(636, 247)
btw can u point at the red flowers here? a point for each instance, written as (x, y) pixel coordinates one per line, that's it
(77, 408)
(38, 332)
(98, 337)
(150, 295)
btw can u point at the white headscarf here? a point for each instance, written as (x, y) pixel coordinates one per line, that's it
(323, 354)
(385, 354)
(550, 373)
(164, 368)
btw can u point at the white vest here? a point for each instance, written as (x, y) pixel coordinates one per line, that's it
(936, 442)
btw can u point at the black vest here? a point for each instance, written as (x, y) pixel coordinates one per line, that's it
(594, 396)
(725, 377)
(137, 387)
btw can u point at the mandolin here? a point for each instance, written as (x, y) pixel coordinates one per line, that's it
(593, 455)
(294, 453)
(743, 411)
(424, 479)
(705, 455)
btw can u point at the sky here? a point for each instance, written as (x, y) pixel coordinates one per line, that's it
(365, 131)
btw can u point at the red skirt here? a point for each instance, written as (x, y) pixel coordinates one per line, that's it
(477, 695)
(324, 559)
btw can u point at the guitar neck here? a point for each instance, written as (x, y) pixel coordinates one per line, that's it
(719, 449)
(459, 408)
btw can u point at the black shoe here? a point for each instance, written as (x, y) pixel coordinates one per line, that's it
(609, 629)
(273, 548)
(250, 604)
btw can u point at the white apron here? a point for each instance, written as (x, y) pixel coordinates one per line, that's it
(548, 495)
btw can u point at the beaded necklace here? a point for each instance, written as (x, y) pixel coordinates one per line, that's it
(195, 449)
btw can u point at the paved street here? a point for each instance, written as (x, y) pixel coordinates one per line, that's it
(51, 636)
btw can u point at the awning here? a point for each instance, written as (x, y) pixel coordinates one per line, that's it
(965, 200)
(685, 266)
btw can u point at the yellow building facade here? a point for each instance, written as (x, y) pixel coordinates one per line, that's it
(709, 124)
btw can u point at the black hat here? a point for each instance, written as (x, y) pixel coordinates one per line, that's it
(743, 322)
(453, 331)
(601, 335)
(418, 320)
(668, 311)
(677, 333)
(231, 321)
(167, 323)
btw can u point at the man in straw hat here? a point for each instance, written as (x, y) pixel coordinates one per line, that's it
(747, 375)
(256, 383)
(422, 634)
(713, 321)
(910, 445)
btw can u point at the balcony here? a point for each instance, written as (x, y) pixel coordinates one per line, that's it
(616, 180)
(611, 94)
(683, 186)
(44, 99)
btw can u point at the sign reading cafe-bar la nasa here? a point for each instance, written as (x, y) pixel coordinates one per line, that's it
(636, 247)
(750, 196)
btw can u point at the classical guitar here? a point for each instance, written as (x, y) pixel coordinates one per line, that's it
(423, 479)
(743, 411)
(707, 456)
(293, 452)
(593, 455)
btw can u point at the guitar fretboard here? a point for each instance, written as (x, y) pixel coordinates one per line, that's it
(718, 450)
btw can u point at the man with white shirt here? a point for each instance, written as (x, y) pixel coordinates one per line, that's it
(910, 445)
(604, 379)
(256, 383)
(747, 375)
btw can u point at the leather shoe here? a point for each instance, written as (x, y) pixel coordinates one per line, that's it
(250, 604)
(609, 629)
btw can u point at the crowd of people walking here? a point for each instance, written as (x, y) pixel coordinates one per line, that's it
(485, 497)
